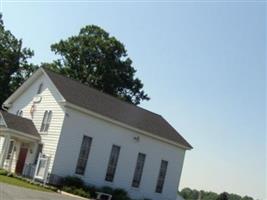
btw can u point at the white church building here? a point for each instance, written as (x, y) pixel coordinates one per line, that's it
(69, 129)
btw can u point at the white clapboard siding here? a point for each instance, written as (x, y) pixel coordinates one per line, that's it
(50, 99)
(104, 135)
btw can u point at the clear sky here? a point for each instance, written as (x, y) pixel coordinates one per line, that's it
(202, 63)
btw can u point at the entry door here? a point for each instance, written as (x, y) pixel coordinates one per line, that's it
(21, 160)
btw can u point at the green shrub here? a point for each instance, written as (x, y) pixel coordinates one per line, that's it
(92, 190)
(81, 192)
(3, 172)
(75, 185)
(67, 189)
(117, 194)
(120, 191)
(73, 181)
(77, 191)
(120, 194)
(107, 190)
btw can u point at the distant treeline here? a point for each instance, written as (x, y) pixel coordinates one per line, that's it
(189, 194)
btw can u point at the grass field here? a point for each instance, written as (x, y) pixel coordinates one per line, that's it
(22, 183)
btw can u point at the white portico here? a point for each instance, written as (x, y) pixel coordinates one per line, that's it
(18, 142)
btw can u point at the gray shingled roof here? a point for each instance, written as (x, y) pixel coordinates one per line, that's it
(19, 124)
(109, 106)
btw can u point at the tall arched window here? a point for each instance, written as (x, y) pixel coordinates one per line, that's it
(46, 121)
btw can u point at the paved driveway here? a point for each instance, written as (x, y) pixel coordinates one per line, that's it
(10, 192)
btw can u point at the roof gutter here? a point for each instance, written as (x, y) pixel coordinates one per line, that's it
(21, 134)
(5, 107)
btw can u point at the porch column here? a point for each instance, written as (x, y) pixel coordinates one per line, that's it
(4, 150)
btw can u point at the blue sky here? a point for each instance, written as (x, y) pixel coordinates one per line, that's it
(202, 63)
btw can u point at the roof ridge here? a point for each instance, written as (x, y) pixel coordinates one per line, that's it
(101, 92)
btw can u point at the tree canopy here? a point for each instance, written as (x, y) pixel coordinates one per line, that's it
(96, 59)
(189, 194)
(222, 196)
(14, 66)
(92, 57)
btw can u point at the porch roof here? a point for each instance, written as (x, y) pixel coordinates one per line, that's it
(19, 124)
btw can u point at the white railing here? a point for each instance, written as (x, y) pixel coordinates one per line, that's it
(41, 169)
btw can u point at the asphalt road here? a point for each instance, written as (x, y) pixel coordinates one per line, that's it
(10, 192)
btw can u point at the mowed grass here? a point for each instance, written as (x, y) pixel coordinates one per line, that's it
(22, 183)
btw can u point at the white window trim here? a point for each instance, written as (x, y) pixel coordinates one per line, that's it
(85, 159)
(46, 122)
(138, 172)
(109, 166)
(161, 179)
(19, 113)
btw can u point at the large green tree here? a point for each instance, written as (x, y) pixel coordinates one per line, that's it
(96, 59)
(14, 66)
(189, 194)
(223, 196)
(247, 198)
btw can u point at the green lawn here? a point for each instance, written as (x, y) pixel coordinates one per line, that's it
(22, 183)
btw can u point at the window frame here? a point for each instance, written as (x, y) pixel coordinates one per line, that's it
(139, 168)
(19, 113)
(162, 176)
(48, 122)
(47, 117)
(83, 158)
(112, 163)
